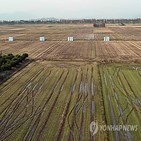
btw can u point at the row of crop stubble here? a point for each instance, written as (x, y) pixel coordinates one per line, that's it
(61, 32)
(99, 50)
(122, 99)
(58, 101)
(52, 50)
(50, 101)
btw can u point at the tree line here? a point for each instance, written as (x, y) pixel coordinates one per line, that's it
(73, 21)
(8, 61)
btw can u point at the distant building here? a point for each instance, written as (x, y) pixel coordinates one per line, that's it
(122, 24)
(99, 25)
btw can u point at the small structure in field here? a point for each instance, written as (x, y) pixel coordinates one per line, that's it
(122, 24)
(106, 39)
(99, 25)
(10, 39)
(42, 39)
(70, 39)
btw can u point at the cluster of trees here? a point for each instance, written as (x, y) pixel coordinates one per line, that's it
(10, 60)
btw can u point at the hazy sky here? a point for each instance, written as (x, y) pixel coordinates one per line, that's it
(30, 9)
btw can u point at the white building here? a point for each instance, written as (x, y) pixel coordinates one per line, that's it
(42, 39)
(70, 39)
(10, 39)
(106, 39)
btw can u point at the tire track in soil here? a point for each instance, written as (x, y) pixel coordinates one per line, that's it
(6, 119)
(83, 106)
(44, 106)
(92, 102)
(8, 84)
(65, 112)
(24, 90)
(33, 94)
(129, 136)
(18, 126)
(83, 90)
(111, 106)
(38, 91)
(20, 93)
(128, 95)
(81, 93)
(135, 97)
(74, 112)
(37, 109)
(30, 134)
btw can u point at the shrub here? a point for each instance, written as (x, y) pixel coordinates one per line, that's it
(10, 56)
(24, 56)
(9, 61)
(5, 67)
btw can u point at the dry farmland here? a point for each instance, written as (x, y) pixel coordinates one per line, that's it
(68, 85)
